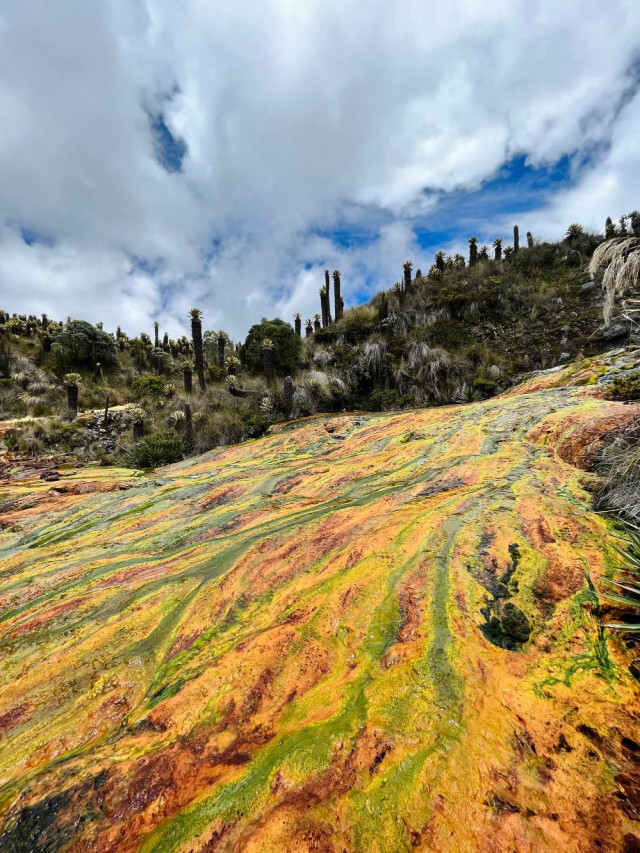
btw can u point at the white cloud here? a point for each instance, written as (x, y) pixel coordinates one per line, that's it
(298, 117)
(610, 188)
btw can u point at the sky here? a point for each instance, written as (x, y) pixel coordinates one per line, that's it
(156, 156)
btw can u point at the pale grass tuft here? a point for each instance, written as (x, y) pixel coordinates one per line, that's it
(616, 263)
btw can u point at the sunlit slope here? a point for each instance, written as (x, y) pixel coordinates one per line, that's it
(367, 633)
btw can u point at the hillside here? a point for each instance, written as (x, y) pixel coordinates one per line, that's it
(374, 632)
(461, 333)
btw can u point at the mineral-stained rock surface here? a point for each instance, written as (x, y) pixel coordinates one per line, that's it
(377, 636)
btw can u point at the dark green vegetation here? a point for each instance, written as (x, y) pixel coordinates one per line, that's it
(624, 388)
(286, 349)
(80, 344)
(160, 448)
(623, 593)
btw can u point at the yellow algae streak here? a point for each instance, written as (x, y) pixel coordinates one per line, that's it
(360, 633)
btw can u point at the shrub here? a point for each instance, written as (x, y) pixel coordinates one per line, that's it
(383, 400)
(29, 445)
(148, 386)
(216, 374)
(255, 424)
(38, 408)
(448, 333)
(343, 356)
(11, 441)
(68, 436)
(160, 448)
(79, 343)
(325, 336)
(287, 346)
(216, 429)
(358, 323)
(487, 387)
(539, 257)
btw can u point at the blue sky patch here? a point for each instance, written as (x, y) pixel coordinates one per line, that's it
(517, 188)
(347, 238)
(148, 266)
(170, 150)
(30, 235)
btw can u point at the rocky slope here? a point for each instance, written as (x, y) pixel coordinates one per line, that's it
(374, 633)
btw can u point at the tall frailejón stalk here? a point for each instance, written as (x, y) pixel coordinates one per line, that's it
(198, 351)
(337, 298)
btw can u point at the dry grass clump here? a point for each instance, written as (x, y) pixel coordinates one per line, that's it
(616, 263)
(29, 391)
(429, 374)
(619, 465)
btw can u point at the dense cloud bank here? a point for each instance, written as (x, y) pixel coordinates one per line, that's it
(157, 155)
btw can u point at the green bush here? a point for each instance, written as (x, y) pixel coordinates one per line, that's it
(487, 387)
(383, 400)
(344, 356)
(358, 324)
(148, 386)
(326, 337)
(216, 374)
(39, 409)
(543, 256)
(255, 425)
(286, 350)
(160, 448)
(450, 334)
(68, 436)
(11, 441)
(78, 343)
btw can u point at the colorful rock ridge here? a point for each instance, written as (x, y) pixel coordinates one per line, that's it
(360, 633)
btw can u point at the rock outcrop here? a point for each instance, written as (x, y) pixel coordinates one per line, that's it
(377, 636)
